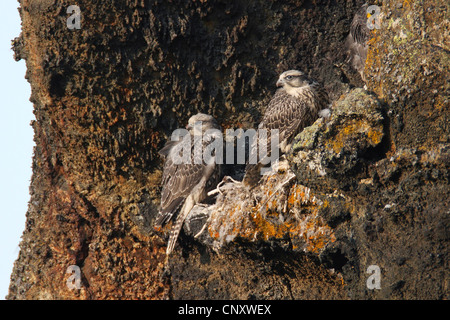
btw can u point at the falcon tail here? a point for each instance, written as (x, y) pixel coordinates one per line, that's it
(176, 228)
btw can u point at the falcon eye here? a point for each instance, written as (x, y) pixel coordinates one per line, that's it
(289, 77)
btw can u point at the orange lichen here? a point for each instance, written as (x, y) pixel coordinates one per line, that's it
(375, 136)
(351, 130)
(373, 61)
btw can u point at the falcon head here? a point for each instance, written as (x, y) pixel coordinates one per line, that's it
(200, 123)
(293, 79)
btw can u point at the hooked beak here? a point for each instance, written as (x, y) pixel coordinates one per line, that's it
(280, 83)
(189, 127)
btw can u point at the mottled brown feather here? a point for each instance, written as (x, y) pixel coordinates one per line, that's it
(290, 115)
(180, 180)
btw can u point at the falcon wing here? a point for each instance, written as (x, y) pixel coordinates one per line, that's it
(358, 27)
(285, 113)
(356, 41)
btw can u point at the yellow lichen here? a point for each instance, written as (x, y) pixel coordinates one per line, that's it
(375, 136)
(352, 130)
(279, 213)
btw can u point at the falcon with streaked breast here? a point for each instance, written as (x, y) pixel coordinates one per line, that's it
(295, 105)
(186, 183)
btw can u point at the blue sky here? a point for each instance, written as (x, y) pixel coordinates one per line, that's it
(16, 144)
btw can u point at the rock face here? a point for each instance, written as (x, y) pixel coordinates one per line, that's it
(338, 151)
(368, 186)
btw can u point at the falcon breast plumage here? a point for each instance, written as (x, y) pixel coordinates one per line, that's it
(294, 106)
(187, 182)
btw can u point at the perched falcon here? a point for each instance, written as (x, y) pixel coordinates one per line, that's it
(187, 179)
(356, 41)
(294, 106)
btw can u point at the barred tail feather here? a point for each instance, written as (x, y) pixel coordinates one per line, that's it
(174, 233)
(176, 228)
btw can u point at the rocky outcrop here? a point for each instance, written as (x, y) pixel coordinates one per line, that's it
(337, 152)
(368, 186)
